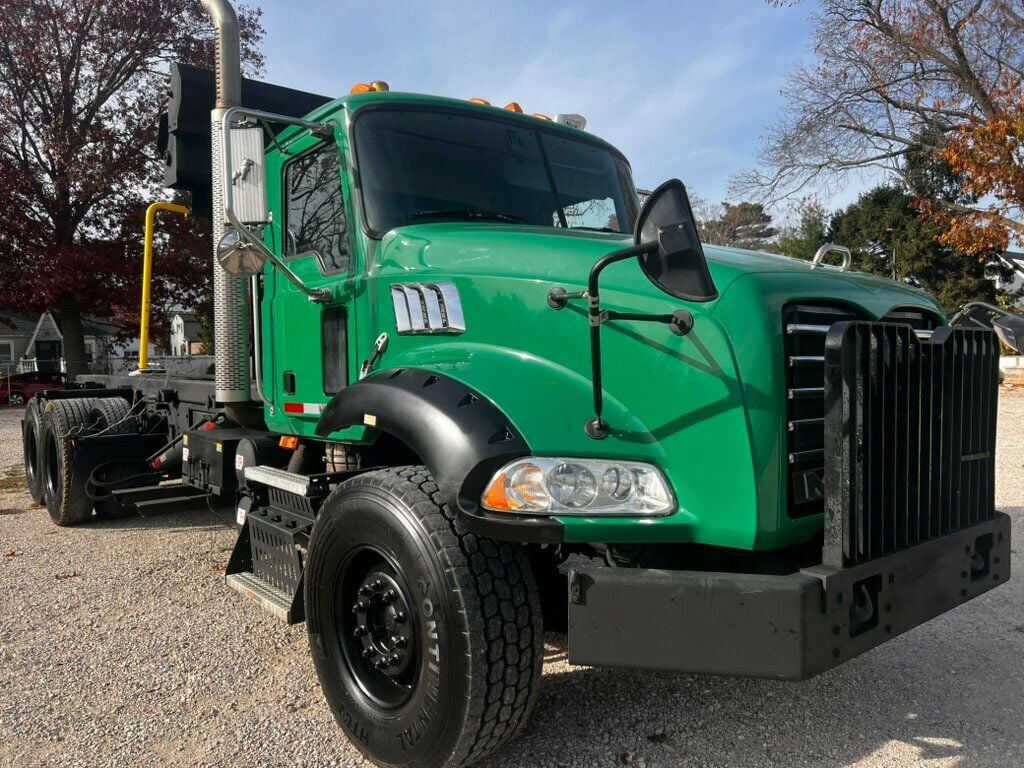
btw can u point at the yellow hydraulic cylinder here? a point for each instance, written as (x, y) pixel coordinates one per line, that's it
(147, 275)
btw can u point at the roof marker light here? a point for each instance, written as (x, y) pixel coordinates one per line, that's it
(377, 86)
(540, 116)
(513, 106)
(573, 120)
(478, 100)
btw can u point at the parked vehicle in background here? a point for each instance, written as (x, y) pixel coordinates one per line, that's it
(19, 388)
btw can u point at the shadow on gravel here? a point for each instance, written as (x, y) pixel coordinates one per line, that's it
(192, 519)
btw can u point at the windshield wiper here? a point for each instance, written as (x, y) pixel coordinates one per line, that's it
(599, 229)
(467, 214)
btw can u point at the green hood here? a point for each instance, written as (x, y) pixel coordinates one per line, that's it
(708, 408)
(564, 257)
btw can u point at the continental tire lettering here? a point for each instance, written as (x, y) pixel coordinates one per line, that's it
(410, 736)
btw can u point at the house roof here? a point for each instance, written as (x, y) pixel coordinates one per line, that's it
(13, 323)
(17, 323)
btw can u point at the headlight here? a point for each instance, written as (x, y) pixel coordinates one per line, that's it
(553, 486)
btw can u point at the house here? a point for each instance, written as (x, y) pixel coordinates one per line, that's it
(35, 342)
(185, 335)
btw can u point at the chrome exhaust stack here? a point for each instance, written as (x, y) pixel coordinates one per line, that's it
(230, 311)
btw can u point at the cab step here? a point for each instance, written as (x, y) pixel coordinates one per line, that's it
(173, 497)
(277, 519)
(271, 600)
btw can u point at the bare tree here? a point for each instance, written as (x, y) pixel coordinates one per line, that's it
(888, 76)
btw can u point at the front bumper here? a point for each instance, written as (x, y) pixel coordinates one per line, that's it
(788, 627)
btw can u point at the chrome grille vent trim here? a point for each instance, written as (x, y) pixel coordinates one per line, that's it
(427, 308)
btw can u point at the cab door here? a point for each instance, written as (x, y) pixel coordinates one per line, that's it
(308, 360)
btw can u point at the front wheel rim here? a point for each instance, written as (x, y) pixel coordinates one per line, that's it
(377, 627)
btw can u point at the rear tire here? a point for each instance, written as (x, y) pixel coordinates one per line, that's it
(31, 427)
(110, 416)
(458, 676)
(64, 479)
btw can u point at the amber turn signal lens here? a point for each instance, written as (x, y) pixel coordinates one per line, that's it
(376, 86)
(289, 442)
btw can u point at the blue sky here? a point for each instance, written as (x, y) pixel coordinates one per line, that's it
(682, 88)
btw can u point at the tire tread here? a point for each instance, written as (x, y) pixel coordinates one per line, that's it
(494, 582)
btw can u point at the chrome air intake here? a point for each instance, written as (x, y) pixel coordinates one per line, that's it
(230, 313)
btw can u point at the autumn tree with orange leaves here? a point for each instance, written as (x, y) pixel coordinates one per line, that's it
(895, 78)
(989, 156)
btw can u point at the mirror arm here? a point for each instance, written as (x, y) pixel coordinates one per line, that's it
(971, 304)
(314, 294)
(597, 428)
(679, 322)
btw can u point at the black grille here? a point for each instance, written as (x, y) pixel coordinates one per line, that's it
(805, 326)
(909, 436)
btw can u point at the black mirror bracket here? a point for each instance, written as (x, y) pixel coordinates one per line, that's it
(559, 298)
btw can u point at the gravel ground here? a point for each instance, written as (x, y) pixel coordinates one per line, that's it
(120, 645)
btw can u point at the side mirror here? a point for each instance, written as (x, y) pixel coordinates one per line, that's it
(1010, 330)
(237, 257)
(678, 265)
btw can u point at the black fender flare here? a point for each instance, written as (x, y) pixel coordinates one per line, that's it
(461, 436)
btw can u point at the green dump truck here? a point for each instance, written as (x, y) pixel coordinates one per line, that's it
(467, 387)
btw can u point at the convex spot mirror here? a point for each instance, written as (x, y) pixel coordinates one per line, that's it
(239, 258)
(1010, 330)
(678, 265)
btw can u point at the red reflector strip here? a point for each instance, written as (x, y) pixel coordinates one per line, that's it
(304, 408)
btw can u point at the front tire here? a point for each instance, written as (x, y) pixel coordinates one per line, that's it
(427, 640)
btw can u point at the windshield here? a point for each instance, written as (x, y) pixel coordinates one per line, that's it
(418, 165)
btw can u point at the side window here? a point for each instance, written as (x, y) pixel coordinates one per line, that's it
(315, 211)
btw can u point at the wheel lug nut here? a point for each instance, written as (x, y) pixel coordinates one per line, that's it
(399, 641)
(359, 607)
(378, 585)
(359, 631)
(364, 590)
(366, 653)
(394, 660)
(390, 596)
(380, 663)
(400, 617)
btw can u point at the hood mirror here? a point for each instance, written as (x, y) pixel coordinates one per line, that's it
(667, 248)
(237, 257)
(1010, 330)
(677, 266)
